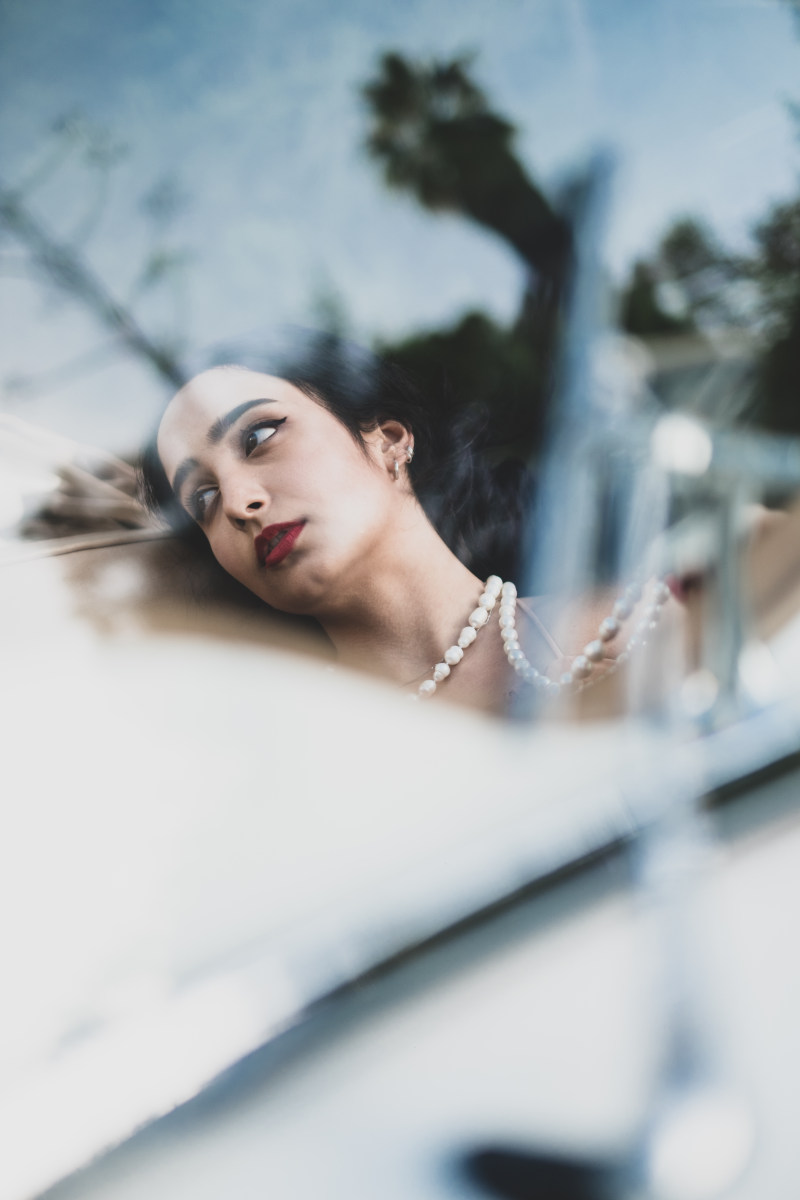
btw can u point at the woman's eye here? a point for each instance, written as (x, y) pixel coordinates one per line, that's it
(200, 502)
(256, 435)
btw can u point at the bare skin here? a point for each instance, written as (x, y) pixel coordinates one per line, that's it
(249, 451)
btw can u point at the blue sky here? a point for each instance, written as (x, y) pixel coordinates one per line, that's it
(254, 108)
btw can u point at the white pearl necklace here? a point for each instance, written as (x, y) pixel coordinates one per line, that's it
(454, 654)
(593, 652)
(582, 666)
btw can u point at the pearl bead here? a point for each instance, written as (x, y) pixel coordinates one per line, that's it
(478, 617)
(454, 654)
(594, 650)
(581, 667)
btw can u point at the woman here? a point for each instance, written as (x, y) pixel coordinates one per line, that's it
(309, 489)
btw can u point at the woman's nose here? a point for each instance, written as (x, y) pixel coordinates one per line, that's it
(244, 503)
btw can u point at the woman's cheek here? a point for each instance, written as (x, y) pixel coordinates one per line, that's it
(225, 556)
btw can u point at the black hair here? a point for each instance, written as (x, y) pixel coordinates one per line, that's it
(476, 505)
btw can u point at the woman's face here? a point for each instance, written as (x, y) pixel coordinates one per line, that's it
(292, 506)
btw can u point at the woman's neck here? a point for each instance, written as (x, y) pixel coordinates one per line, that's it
(405, 607)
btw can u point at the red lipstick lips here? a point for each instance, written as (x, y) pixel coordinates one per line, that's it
(276, 542)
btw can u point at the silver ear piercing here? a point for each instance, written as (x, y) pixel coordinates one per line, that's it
(409, 456)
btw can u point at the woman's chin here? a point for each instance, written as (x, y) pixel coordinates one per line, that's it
(306, 584)
(293, 593)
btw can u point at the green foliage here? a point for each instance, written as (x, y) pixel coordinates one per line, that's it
(757, 294)
(699, 276)
(776, 265)
(641, 312)
(776, 268)
(688, 248)
(425, 119)
(434, 134)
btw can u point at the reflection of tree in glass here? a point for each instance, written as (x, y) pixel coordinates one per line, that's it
(693, 286)
(60, 257)
(688, 285)
(777, 271)
(434, 134)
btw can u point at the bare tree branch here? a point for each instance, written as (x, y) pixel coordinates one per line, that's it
(72, 275)
(75, 368)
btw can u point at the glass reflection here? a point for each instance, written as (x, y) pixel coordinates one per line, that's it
(174, 181)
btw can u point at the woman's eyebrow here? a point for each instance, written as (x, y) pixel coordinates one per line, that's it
(215, 435)
(223, 424)
(187, 466)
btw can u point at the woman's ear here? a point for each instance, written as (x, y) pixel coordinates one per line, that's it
(395, 445)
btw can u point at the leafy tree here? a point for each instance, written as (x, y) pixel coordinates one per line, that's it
(690, 284)
(642, 312)
(756, 294)
(434, 134)
(776, 268)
